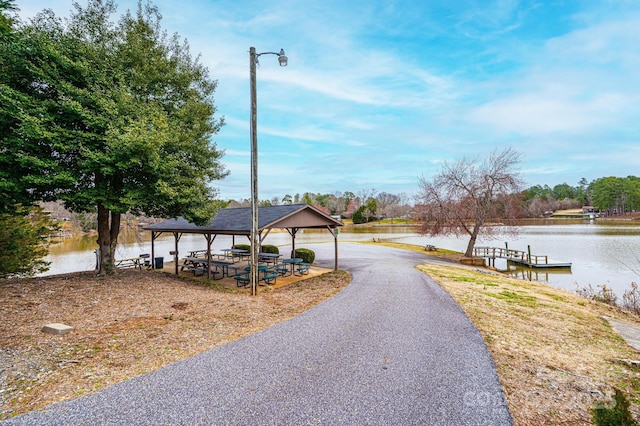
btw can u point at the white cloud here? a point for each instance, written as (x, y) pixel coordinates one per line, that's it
(580, 83)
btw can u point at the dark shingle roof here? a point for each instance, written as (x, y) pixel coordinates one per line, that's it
(238, 220)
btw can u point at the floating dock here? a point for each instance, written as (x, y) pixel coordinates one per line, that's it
(518, 257)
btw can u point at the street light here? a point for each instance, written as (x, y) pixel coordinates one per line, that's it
(255, 242)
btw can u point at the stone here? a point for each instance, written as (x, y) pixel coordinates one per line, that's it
(56, 328)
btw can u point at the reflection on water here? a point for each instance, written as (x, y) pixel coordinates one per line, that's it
(535, 274)
(600, 253)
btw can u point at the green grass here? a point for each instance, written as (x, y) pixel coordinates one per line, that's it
(511, 296)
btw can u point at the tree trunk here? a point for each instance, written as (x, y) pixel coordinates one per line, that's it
(108, 230)
(472, 241)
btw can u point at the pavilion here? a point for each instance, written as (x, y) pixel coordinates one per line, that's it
(237, 221)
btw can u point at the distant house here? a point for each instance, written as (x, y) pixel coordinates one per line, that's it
(590, 211)
(351, 208)
(323, 209)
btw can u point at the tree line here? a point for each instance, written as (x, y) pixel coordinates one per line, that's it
(610, 195)
(364, 206)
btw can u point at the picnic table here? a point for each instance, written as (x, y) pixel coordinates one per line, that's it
(268, 257)
(268, 275)
(200, 265)
(289, 266)
(234, 253)
(133, 262)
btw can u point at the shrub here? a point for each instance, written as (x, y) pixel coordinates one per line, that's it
(631, 299)
(604, 294)
(307, 256)
(23, 238)
(616, 413)
(358, 216)
(270, 249)
(246, 247)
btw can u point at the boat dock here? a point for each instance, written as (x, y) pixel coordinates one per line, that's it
(524, 258)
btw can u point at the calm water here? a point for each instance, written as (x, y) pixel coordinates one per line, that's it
(599, 253)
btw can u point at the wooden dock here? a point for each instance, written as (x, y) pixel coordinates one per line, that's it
(524, 258)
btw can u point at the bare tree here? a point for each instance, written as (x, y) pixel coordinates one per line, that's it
(470, 197)
(403, 207)
(386, 203)
(365, 195)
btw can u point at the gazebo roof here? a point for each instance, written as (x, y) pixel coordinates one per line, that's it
(237, 221)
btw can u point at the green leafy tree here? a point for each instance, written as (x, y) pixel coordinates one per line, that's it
(348, 197)
(25, 178)
(583, 193)
(24, 242)
(6, 23)
(323, 200)
(537, 191)
(616, 195)
(359, 216)
(117, 119)
(307, 199)
(564, 190)
(371, 209)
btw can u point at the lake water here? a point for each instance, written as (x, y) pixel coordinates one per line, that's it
(600, 253)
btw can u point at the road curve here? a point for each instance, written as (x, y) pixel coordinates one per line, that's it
(391, 349)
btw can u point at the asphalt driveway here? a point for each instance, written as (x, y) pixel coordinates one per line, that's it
(390, 349)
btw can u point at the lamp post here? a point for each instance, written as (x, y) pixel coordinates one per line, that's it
(255, 241)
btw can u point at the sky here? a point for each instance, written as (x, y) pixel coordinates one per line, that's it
(378, 93)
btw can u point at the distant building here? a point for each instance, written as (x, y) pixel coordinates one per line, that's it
(351, 208)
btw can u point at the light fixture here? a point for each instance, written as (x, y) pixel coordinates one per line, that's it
(282, 58)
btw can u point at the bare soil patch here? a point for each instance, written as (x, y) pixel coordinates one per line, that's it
(126, 326)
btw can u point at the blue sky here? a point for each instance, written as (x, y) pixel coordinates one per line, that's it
(379, 93)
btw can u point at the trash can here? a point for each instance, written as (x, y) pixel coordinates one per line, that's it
(159, 262)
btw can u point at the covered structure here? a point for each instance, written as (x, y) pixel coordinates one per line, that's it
(237, 221)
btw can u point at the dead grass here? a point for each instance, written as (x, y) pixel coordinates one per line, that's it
(126, 326)
(554, 353)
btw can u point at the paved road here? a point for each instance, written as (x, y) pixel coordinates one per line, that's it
(390, 349)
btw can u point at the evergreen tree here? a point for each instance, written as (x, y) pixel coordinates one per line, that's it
(108, 118)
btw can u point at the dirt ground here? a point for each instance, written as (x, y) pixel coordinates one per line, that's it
(126, 326)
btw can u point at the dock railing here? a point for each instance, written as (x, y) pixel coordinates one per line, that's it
(510, 254)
